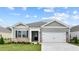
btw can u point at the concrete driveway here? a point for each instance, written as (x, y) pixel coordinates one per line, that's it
(59, 47)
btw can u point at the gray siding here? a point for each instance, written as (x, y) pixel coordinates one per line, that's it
(55, 24)
(54, 30)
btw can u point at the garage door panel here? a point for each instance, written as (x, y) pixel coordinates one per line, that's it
(54, 37)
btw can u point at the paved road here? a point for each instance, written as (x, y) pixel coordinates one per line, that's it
(59, 47)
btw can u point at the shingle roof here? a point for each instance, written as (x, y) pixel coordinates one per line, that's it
(2, 29)
(75, 28)
(36, 24)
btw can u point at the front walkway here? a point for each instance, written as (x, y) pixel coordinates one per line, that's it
(59, 47)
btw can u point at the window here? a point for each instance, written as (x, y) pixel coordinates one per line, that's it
(25, 34)
(19, 33)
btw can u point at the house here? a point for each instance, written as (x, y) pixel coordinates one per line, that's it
(52, 31)
(75, 31)
(4, 32)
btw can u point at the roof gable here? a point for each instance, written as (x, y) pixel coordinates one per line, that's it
(55, 23)
(20, 25)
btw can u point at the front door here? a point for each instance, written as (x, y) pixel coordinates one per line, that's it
(34, 36)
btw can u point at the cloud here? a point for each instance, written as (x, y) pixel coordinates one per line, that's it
(31, 16)
(75, 12)
(45, 18)
(35, 16)
(11, 8)
(48, 9)
(51, 17)
(16, 14)
(61, 15)
(24, 8)
(65, 17)
(1, 20)
(27, 16)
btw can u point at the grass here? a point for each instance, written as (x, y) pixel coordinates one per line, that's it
(20, 47)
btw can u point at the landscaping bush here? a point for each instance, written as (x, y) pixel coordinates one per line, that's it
(18, 42)
(75, 39)
(23, 42)
(1, 40)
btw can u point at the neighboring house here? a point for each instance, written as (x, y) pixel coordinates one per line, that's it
(4, 32)
(75, 31)
(52, 31)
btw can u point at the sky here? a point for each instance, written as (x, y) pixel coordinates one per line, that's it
(12, 15)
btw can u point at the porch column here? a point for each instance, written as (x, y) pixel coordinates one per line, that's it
(39, 36)
(30, 38)
(21, 34)
(69, 34)
(12, 34)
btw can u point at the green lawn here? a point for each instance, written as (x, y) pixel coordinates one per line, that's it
(20, 47)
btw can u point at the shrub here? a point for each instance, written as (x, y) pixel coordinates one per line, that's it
(28, 42)
(75, 39)
(18, 42)
(23, 42)
(1, 40)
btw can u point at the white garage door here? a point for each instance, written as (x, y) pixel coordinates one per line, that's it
(53, 37)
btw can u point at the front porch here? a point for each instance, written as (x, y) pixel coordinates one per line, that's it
(23, 33)
(24, 36)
